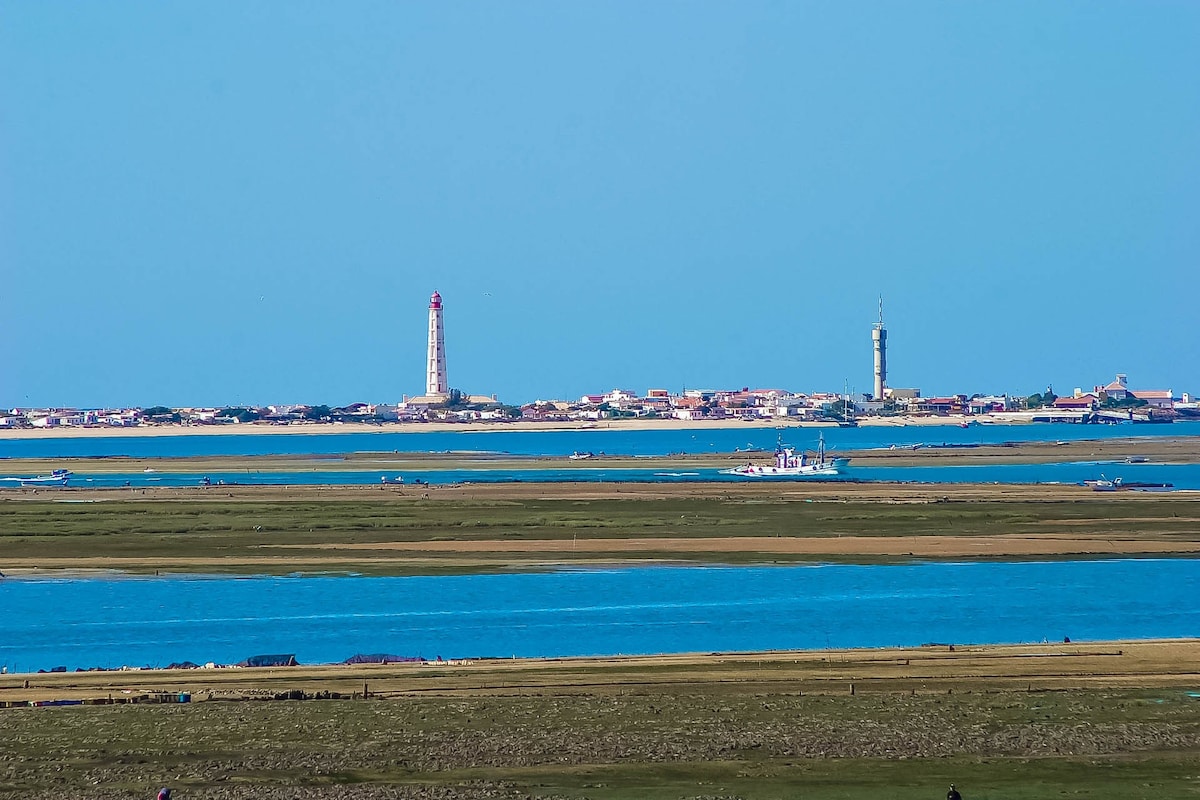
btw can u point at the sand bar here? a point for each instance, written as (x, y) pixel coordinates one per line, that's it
(1044, 666)
(256, 428)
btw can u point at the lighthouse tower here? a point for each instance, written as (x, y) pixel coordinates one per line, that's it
(436, 385)
(879, 339)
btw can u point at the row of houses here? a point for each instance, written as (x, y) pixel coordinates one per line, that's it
(68, 417)
(293, 414)
(1118, 393)
(764, 403)
(748, 403)
(691, 404)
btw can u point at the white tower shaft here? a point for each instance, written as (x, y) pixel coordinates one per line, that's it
(879, 340)
(436, 384)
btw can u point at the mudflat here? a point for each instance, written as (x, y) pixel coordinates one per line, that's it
(484, 527)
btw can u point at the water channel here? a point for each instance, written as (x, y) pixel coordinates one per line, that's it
(114, 621)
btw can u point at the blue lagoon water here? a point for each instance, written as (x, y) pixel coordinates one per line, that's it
(156, 621)
(614, 441)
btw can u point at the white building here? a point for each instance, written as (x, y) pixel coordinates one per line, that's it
(436, 384)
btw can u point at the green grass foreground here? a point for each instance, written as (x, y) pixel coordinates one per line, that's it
(687, 741)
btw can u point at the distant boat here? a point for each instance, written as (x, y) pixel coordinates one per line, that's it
(790, 465)
(1105, 485)
(58, 477)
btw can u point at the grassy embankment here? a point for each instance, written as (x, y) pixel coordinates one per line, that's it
(484, 528)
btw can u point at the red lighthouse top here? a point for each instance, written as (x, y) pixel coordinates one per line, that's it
(435, 301)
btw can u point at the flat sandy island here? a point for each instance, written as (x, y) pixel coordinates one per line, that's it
(888, 669)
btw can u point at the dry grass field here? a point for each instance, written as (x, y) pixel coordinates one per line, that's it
(1119, 720)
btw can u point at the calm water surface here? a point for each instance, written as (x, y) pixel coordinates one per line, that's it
(156, 621)
(562, 443)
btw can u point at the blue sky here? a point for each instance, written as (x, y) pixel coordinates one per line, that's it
(219, 203)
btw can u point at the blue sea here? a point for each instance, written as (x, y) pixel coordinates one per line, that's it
(636, 443)
(156, 621)
(611, 441)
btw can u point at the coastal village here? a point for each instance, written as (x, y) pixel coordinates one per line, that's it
(1113, 402)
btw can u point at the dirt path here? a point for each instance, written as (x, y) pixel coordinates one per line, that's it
(917, 546)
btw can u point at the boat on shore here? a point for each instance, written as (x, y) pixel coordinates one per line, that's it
(1105, 485)
(789, 464)
(1117, 484)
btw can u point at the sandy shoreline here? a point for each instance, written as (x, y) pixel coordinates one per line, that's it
(1051, 665)
(473, 427)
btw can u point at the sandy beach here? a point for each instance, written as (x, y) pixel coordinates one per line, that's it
(1047, 665)
(477, 427)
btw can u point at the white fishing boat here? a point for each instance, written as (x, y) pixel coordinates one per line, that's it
(789, 464)
(58, 477)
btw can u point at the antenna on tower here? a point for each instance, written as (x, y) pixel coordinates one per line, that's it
(880, 325)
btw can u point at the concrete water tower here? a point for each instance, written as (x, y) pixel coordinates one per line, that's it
(879, 339)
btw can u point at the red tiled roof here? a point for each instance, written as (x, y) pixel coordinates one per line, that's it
(1074, 402)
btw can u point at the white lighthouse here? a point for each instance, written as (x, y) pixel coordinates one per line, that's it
(436, 385)
(879, 339)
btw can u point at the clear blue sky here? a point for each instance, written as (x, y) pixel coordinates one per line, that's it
(240, 202)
